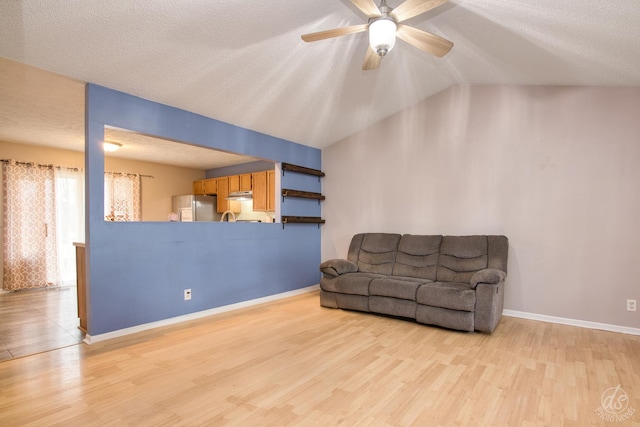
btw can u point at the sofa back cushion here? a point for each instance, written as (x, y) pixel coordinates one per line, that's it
(374, 252)
(461, 257)
(417, 256)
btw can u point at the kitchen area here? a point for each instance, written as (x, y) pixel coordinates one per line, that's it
(246, 197)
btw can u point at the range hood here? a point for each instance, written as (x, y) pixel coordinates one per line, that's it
(240, 195)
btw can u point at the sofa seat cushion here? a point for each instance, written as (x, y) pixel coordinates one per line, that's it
(451, 295)
(355, 283)
(396, 287)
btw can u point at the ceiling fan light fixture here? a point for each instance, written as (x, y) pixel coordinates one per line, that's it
(382, 35)
(110, 147)
(384, 24)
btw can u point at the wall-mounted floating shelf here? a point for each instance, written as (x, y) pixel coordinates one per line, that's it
(301, 169)
(304, 194)
(302, 220)
(301, 194)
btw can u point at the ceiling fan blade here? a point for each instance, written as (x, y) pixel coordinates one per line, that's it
(371, 60)
(368, 7)
(430, 43)
(337, 32)
(411, 8)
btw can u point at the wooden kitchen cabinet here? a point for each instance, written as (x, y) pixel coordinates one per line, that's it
(259, 191)
(245, 182)
(205, 186)
(210, 186)
(224, 189)
(271, 190)
(240, 182)
(198, 187)
(234, 183)
(222, 185)
(264, 188)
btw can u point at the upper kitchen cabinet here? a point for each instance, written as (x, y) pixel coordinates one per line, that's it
(260, 191)
(205, 186)
(245, 182)
(234, 183)
(264, 191)
(271, 190)
(198, 187)
(240, 182)
(210, 186)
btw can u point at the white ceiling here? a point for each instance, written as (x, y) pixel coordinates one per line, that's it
(243, 62)
(136, 146)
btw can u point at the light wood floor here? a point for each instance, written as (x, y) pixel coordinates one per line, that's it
(33, 321)
(293, 362)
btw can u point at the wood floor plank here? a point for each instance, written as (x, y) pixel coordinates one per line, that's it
(292, 362)
(37, 320)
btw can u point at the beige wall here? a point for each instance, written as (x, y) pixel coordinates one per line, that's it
(156, 192)
(167, 181)
(553, 168)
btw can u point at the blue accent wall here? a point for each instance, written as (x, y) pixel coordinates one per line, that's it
(136, 272)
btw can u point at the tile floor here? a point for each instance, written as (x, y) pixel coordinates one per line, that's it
(33, 321)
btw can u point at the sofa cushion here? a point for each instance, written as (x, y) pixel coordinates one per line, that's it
(354, 283)
(403, 288)
(417, 256)
(377, 252)
(461, 257)
(455, 296)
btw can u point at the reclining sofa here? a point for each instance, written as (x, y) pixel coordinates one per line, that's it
(456, 282)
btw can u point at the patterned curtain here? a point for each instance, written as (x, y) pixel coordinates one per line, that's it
(121, 196)
(29, 226)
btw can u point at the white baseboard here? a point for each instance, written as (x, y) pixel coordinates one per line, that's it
(572, 322)
(89, 339)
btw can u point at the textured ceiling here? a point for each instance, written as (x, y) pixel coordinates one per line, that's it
(136, 146)
(243, 62)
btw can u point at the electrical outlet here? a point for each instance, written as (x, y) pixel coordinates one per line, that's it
(187, 294)
(631, 305)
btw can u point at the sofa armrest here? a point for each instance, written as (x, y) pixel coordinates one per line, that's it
(336, 267)
(491, 276)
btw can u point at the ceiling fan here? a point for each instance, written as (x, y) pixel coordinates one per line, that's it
(384, 25)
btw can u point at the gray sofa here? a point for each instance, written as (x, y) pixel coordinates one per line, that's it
(455, 282)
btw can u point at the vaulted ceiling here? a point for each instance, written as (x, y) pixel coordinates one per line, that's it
(243, 62)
